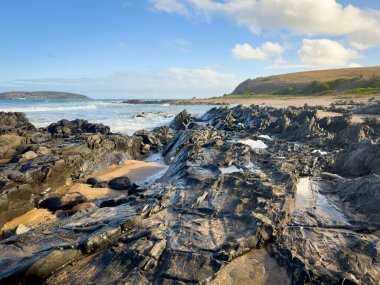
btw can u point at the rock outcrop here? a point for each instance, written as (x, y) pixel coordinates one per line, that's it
(65, 128)
(36, 161)
(230, 187)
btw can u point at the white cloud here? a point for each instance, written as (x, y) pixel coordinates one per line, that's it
(303, 17)
(266, 51)
(173, 82)
(246, 51)
(273, 48)
(326, 53)
(170, 6)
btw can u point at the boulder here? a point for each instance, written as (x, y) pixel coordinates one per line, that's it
(122, 183)
(181, 121)
(113, 202)
(148, 137)
(65, 202)
(65, 128)
(14, 122)
(9, 144)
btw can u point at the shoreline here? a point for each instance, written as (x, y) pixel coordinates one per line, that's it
(274, 101)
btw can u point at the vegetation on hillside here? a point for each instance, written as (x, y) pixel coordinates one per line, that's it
(360, 81)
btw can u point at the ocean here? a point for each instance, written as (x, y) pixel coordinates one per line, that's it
(121, 117)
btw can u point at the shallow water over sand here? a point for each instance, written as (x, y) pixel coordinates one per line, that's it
(140, 172)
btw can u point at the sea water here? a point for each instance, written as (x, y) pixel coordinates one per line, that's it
(121, 117)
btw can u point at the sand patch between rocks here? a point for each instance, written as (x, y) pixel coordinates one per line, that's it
(31, 219)
(136, 170)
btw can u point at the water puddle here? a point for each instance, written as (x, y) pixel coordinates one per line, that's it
(230, 169)
(329, 211)
(309, 199)
(321, 152)
(253, 168)
(253, 268)
(265, 137)
(259, 144)
(304, 196)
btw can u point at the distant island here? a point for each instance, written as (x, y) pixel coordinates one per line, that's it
(41, 95)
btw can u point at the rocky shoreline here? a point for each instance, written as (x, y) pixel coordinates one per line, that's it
(232, 186)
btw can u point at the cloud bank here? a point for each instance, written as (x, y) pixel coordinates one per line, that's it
(302, 17)
(174, 82)
(313, 21)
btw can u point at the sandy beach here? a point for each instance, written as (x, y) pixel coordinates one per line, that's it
(272, 101)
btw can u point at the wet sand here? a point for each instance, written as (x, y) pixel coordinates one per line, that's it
(356, 118)
(253, 268)
(31, 219)
(136, 170)
(275, 101)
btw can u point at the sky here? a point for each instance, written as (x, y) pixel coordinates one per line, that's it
(177, 48)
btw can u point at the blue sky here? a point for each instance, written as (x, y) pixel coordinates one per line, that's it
(177, 48)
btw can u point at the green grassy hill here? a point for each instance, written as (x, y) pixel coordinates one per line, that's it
(365, 80)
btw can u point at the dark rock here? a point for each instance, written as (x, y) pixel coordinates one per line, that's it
(359, 159)
(361, 199)
(14, 122)
(372, 109)
(65, 128)
(103, 184)
(181, 121)
(330, 176)
(121, 183)
(65, 202)
(148, 137)
(92, 181)
(113, 202)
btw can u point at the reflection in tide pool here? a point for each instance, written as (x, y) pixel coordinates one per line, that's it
(308, 198)
(254, 144)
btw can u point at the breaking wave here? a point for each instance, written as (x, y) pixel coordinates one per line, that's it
(47, 109)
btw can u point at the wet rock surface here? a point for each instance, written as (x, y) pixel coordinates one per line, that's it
(39, 162)
(230, 188)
